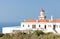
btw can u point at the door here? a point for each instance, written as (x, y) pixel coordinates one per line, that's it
(54, 27)
(45, 26)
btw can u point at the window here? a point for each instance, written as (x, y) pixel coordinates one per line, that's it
(59, 26)
(28, 25)
(39, 25)
(49, 25)
(23, 25)
(33, 26)
(45, 26)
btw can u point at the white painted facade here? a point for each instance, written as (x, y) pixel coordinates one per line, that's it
(44, 26)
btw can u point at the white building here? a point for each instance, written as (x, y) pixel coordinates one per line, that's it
(46, 25)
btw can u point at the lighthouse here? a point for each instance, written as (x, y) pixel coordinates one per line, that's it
(42, 14)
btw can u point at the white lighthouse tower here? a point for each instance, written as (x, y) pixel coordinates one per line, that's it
(42, 16)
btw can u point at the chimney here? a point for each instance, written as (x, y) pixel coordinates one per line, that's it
(51, 17)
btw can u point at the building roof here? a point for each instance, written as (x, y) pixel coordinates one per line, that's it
(32, 20)
(52, 21)
(58, 20)
(45, 20)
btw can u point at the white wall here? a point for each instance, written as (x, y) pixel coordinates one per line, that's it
(58, 27)
(9, 29)
(42, 26)
(32, 23)
(49, 25)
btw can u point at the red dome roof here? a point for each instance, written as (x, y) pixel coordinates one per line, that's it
(42, 10)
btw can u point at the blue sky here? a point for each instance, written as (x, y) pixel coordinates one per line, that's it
(12, 12)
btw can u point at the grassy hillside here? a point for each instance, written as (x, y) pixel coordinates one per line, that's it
(35, 35)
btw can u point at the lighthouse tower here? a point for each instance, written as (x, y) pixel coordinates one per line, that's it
(42, 16)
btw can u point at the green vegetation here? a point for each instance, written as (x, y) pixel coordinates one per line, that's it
(35, 35)
(1, 34)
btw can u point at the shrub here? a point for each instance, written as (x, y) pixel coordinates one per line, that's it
(49, 33)
(38, 33)
(1, 34)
